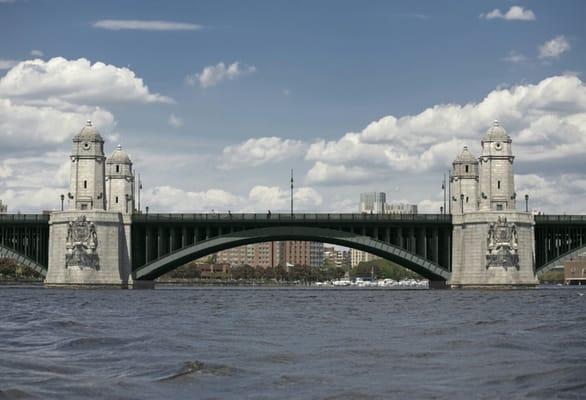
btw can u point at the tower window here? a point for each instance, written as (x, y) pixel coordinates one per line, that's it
(466, 199)
(466, 168)
(498, 184)
(118, 168)
(85, 184)
(116, 199)
(499, 207)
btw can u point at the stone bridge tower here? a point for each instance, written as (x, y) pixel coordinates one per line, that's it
(492, 242)
(90, 244)
(87, 180)
(119, 182)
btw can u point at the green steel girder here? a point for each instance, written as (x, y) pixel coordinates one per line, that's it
(560, 260)
(182, 256)
(6, 252)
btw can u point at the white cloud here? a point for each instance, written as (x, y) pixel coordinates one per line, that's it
(547, 121)
(7, 64)
(515, 13)
(554, 48)
(75, 81)
(121, 24)
(259, 199)
(36, 53)
(259, 151)
(514, 57)
(25, 126)
(322, 173)
(175, 121)
(549, 194)
(214, 74)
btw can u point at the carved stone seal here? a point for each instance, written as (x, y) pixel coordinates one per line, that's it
(81, 245)
(502, 245)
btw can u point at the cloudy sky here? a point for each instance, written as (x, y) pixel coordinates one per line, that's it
(216, 101)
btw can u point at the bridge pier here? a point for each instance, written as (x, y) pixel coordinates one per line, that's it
(503, 258)
(89, 248)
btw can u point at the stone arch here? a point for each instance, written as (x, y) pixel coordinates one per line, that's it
(560, 260)
(412, 261)
(6, 252)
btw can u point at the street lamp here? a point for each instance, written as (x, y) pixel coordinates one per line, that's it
(462, 201)
(526, 203)
(62, 199)
(444, 189)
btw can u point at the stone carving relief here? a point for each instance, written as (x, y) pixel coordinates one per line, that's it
(502, 245)
(81, 245)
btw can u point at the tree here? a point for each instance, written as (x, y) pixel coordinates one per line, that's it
(383, 269)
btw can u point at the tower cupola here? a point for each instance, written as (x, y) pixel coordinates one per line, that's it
(464, 183)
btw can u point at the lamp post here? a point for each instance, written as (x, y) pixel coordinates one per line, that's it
(462, 201)
(444, 189)
(526, 203)
(62, 199)
(291, 191)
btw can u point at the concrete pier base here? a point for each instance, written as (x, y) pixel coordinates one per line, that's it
(143, 285)
(470, 246)
(89, 249)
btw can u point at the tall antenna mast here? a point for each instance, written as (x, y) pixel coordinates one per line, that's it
(139, 189)
(291, 191)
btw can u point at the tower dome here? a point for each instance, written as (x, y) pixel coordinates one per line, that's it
(496, 133)
(88, 133)
(465, 156)
(119, 156)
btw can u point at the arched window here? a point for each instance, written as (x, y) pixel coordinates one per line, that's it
(498, 184)
(85, 184)
(466, 168)
(116, 199)
(117, 168)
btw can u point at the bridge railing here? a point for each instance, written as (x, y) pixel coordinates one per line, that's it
(560, 218)
(24, 217)
(140, 217)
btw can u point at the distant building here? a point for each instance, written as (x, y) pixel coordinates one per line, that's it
(341, 258)
(358, 256)
(234, 256)
(372, 202)
(575, 271)
(296, 252)
(400, 208)
(271, 254)
(3, 208)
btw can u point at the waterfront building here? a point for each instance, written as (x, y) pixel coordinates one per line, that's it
(575, 271)
(235, 256)
(339, 257)
(358, 256)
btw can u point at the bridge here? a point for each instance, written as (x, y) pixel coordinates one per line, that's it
(419, 242)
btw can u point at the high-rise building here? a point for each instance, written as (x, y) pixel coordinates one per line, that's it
(3, 208)
(340, 258)
(316, 254)
(234, 256)
(372, 202)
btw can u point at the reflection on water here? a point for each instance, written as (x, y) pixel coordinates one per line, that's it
(291, 343)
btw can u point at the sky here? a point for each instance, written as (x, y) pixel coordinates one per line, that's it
(217, 101)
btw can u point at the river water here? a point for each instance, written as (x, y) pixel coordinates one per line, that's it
(250, 343)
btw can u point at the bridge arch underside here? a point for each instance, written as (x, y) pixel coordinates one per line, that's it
(6, 252)
(412, 261)
(568, 256)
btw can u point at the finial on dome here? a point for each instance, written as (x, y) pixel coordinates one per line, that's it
(119, 147)
(465, 147)
(496, 122)
(88, 123)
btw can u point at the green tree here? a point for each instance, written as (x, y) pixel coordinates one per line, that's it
(383, 269)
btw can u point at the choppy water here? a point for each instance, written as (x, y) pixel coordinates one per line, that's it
(216, 343)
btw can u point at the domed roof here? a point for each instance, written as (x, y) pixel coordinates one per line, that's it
(88, 133)
(119, 156)
(496, 132)
(465, 156)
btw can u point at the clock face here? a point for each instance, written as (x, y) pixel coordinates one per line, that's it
(498, 146)
(86, 146)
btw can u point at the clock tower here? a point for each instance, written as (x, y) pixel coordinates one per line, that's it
(87, 180)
